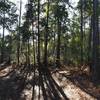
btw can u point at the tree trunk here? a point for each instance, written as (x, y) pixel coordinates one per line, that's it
(81, 29)
(58, 43)
(33, 46)
(38, 56)
(46, 37)
(95, 54)
(2, 49)
(28, 52)
(89, 41)
(18, 46)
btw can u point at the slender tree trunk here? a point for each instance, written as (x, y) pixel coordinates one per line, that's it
(38, 56)
(46, 37)
(33, 45)
(96, 62)
(90, 40)
(18, 47)
(28, 44)
(58, 43)
(54, 48)
(81, 29)
(2, 48)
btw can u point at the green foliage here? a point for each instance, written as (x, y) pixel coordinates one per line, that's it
(70, 28)
(87, 6)
(9, 9)
(25, 31)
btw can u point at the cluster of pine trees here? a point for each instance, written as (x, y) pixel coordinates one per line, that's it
(51, 32)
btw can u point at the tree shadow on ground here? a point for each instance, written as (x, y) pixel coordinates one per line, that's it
(48, 89)
(15, 82)
(84, 83)
(11, 86)
(3, 66)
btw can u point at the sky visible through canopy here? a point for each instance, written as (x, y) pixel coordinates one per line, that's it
(17, 2)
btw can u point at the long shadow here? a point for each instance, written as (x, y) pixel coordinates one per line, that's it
(50, 89)
(9, 90)
(2, 67)
(78, 82)
(35, 82)
(56, 86)
(12, 86)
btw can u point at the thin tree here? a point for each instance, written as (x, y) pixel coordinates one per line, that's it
(81, 30)
(90, 40)
(38, 55)
(18, 46)
(2, 48)
(46, 36)
(95, 54)
(58, 37)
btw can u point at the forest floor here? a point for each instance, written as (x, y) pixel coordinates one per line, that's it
(26, 83)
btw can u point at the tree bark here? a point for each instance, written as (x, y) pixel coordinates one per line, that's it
(46, 38)
(38, 56)
(18, 46)
(58, 43)
(95, 54)
(81, 29)
(2, 47)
